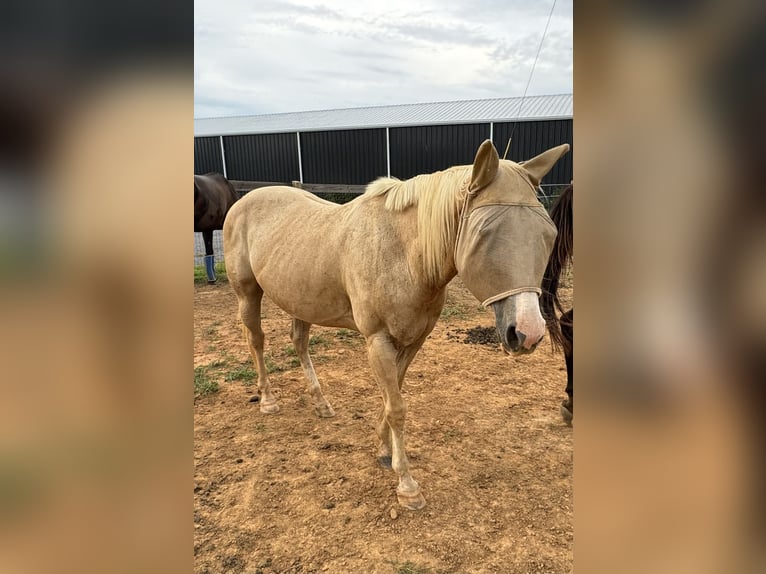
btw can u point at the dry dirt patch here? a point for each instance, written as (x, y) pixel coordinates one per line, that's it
(292, 493)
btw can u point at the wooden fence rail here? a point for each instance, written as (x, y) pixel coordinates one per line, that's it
(548, 191)
(243, 187)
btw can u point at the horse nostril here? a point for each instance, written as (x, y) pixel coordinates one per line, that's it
(512, 338)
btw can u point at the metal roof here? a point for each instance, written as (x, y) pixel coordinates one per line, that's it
(549, 107)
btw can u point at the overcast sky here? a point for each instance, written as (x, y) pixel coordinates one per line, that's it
(268, 56)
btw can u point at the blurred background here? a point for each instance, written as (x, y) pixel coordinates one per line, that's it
(96, 111)
(671, 244)
(96, 299)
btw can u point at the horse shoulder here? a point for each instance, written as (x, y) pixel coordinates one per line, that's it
(392, 295)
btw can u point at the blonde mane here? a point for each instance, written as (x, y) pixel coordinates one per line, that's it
(437, 197)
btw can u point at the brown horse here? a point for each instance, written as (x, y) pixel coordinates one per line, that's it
(213, 197)
(380, 265)
(561, 328)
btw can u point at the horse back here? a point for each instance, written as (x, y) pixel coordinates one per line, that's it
(281, 219)
(351, 265)
(291, 245)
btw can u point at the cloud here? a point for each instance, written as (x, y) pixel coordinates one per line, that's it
(298, 55)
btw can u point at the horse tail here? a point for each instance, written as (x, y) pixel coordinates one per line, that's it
(561, 256)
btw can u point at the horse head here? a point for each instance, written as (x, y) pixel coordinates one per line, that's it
(504, 241)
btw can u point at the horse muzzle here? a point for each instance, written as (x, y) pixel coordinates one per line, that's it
(520, 326)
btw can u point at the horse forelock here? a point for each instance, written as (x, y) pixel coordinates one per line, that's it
(438, 197)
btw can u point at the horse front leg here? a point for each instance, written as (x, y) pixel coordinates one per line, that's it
(384, 434)
(404, 358)
(386, 366)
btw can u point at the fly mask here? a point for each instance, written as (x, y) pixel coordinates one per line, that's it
(504, 240)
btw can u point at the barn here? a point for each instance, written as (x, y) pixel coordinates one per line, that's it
(354, 146)
(351, 147)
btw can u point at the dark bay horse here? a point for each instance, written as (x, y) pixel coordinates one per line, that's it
(213, 197)
(560, 328)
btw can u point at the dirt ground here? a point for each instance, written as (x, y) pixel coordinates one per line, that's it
(293, 493)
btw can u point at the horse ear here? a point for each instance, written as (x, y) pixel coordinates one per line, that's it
(484, 166)
(540, 165)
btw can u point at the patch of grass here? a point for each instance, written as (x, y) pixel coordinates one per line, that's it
(453, 311)
(293, 363)
(408, 567)
(210, 331)
(271, 365)
(218, 363)
(247, 373)
(244, 373)
(203, 384)
(451, 434)
(318, 341)
(260, 427)
(314, 341)
(347, 335)
(200, 275)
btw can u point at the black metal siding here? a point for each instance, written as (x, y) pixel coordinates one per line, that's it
(353, 157)
(533, 138)
(207, 155)
(357, 157)
(262, 157)
(426, 149)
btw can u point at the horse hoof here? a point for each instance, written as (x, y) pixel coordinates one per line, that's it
(325, 412)
(270, 408)
(411, 501)
(566, 414)
(385, 462)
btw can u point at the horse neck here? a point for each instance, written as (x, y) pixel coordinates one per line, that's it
(447, 271)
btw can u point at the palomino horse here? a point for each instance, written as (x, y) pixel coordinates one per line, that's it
(213, 197)
(561, 329)
(380, 264)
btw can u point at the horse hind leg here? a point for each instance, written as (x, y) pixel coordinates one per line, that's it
(250, 313)
(299, 333)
